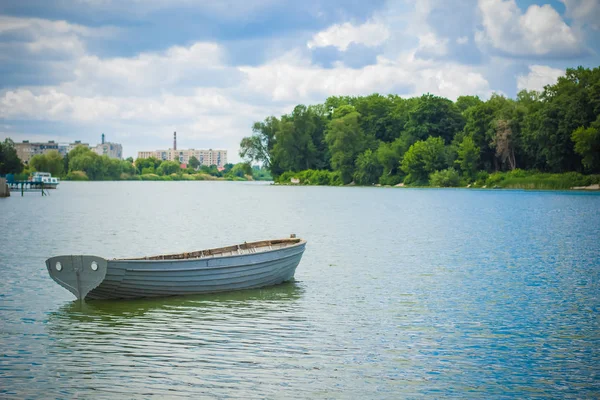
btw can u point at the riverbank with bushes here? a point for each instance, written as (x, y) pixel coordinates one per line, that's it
(515, 179)
(82, 164)
(546, 139)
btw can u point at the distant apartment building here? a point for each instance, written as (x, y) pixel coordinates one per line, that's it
(26, 150)
(112, 150)
(206, 157)
(65, 149)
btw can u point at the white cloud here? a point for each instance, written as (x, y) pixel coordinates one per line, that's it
(431, 44)
(584, 12)
(191, 88)
(37, 24)
(150, 72)
(538, 77)
(293, 79)
(140, 100)
(58, 37)
(540, 31)
(53, 104)
(290, 79)
(341, 36)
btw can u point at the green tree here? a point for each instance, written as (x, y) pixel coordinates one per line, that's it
(81, 158)
(587, 145)
(51, 162)
(376, 116)
(168, 168)
(482, 126)
(294, 150)
(503, 142)
(465, 102)
(468, 157)
(433, 116)
(10, 163)
(445, 178)
(260, 173)
(423, 158)
(128, 167)
(389, 156)
(346, 140)
(333, 102)
(147, 164)
(66, 164)
(240, 170)
(194, 162)
(368, 168)
(566, 106)
(259, 146)
(79, 150)
(299, 140)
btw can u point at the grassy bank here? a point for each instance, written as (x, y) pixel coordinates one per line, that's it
(516, 179)
(519, 179)
(81, 176)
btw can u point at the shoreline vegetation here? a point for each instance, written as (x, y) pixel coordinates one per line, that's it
(82, 164)
(516, 179)
(540, 140)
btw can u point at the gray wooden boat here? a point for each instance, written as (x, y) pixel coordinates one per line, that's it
(238, 267)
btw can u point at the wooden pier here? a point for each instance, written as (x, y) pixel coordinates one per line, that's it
(28, 186)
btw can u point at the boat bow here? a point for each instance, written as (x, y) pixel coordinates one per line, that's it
(77, 274)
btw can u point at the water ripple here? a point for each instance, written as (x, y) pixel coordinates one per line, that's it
(401, 294)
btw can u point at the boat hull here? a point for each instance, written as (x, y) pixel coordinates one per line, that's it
(127, 279)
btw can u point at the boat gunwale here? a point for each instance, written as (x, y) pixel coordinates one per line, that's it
(298, 242)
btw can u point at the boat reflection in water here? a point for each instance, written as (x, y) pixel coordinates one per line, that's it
(116, 311)
(177, 344)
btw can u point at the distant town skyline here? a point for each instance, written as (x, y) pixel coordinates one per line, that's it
(26, 149)
(139, 70)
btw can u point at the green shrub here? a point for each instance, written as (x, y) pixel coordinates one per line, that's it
(391, 180)
(519, 179)
(518, 173)
(494, 179)
(335, 178)
(150, 177)
(286, 177)
(187, 177)
(412, 180)
(481, 178)
(322, 177)
(445, 178)
(77, 176)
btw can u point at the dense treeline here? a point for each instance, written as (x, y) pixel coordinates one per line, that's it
(82, 163)
(432, 140)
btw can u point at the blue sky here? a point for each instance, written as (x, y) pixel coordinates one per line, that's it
(139, 70)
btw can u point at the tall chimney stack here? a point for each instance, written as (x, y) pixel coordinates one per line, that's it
(103, 138)
(174, 140)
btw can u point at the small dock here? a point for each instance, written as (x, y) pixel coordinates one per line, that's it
(28, 186)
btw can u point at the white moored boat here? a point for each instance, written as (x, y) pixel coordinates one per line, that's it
(46, 178)
(243, 266)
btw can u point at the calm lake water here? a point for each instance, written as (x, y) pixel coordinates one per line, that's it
(401, 293)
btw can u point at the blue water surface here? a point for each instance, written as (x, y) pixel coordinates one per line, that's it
(402, 293)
